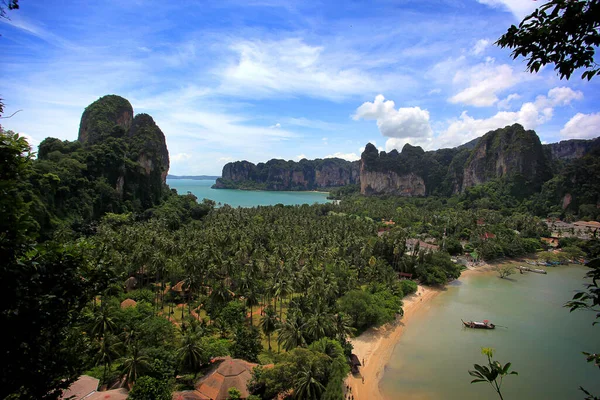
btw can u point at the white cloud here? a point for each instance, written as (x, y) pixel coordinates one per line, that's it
(409, 122)
(582, 126)
(519, 8)
(313, 124)
(276, 126)
(484, 82)
(505, 103)
(291, 67)
(530, 115)
(480, 46)
(345, 156)
(435, 91)
(300, 157)
(179, 157)
(225, 159)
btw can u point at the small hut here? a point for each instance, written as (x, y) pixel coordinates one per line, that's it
(128, 303)
(81, 388)
(354, 363)
(227, 373)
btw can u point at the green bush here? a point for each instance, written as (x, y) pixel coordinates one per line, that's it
(148, 388)
(408, 286)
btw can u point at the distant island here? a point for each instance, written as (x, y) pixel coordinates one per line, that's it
(196, 178)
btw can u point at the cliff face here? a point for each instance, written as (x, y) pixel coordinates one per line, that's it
(141, 170)
(110, 115)
(570, 149)
(412, 172)
(511, 153)
(507, 152)
(289, 175)
(238, 171)
(148, 142)
(408, 185)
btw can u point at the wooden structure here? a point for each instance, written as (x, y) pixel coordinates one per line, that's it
(479, 325)
(354, 363)
(226, 373)
(404, 275)
(536, 270)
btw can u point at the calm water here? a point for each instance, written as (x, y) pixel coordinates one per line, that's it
(244, 198)
(543, 340)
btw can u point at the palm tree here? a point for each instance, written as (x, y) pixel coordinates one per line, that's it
(307, 386)
(134, 364)
(191, 355)
(319, 324)
(291, 334)
(102, 323)
(342, 326)
(108, 350)
(269, 322)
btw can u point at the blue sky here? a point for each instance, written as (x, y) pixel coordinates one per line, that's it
(258, 79)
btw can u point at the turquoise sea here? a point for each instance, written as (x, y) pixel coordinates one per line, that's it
(244, 198)
(542, 339)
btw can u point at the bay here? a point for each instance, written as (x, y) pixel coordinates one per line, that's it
(244, 198)
(543, 340)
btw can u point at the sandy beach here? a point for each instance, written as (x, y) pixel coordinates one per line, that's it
(375, 346)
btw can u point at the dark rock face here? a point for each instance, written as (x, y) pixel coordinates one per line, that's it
(148, 141)
(379, 173)
(510, 153)
(109, 122)
(238, 171)
(110, 115)
(570, 149)
(504, 153)
(289, 175)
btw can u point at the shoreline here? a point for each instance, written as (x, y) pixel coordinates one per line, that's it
(376, 345)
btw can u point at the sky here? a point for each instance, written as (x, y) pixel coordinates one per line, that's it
(260, 79)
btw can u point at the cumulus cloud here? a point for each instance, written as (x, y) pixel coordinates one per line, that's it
(179, 157)
(504, 104)
(484, 81)
(276, 126)
(408, 122)
(292, 67)
(345, 156)
(225, 159)
(300, 157)
(530, 115)
(582, 126)
(480, 46)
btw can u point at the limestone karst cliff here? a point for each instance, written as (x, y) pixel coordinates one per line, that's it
(136, 145)
(289, 175)
(507, 152)
(512, 154)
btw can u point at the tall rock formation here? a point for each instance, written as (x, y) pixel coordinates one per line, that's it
(507, 152)
(570, 149)
(148, 142)
(110, 115)
(289, 175)
(109, 122)
(382, 173)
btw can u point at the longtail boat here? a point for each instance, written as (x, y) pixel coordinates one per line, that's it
(536, 270)
(479, 325)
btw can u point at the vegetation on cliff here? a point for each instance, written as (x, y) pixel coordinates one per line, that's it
(288, 175)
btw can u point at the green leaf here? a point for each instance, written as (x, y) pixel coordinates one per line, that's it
(478, 380)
